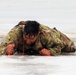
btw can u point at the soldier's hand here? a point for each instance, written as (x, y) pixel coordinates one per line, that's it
(10, 49)
(45, 52)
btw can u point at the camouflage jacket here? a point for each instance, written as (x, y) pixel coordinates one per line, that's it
(51, 39)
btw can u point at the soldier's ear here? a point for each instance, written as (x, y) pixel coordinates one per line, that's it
(39, 33)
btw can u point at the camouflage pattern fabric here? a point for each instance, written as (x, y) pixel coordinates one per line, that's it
(51, 39)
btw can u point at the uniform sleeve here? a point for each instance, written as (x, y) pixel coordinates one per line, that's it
(11, 37)
(53, 44)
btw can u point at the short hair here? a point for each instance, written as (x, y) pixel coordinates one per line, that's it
(31, 28)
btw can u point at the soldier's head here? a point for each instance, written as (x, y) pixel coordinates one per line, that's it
(31, 31)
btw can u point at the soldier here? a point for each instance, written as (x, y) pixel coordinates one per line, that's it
(32, 38)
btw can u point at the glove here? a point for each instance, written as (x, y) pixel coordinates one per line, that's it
(45, 52)
(10, 49)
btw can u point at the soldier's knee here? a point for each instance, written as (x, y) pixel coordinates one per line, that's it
(68, 49)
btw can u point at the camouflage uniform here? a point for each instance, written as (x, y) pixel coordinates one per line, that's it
(51, 39)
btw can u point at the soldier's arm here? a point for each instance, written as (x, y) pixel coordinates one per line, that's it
(11, 38)
(53, 45)
(51, 49)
